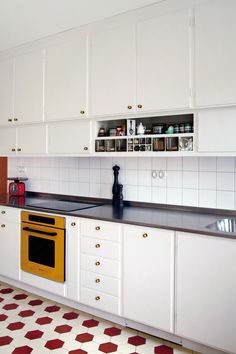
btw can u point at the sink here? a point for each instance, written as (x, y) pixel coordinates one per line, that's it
(224, 225)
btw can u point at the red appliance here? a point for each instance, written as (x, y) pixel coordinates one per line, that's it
(17, 187)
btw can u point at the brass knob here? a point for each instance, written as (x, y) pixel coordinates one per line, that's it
(97, 228)
(85, 148)
(140, 106)
(129, 107)
(82, 112)
(9, 120)
(145, 235)
(15, 119)
(97, 263)
(13, 149)
(19, 149)
(3, 212)
(97, 280)
(97, 245)
(73, 224)
(3, 225)
(97, 298)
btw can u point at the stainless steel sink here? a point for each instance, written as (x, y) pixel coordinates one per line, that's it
(224, 225)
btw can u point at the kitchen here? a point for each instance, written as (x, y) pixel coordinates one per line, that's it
(150, 89)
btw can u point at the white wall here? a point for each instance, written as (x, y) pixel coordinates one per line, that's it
(194, 181)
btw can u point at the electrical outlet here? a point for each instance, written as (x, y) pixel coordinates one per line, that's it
(21, 170)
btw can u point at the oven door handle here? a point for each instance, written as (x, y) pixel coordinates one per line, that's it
(40, 232)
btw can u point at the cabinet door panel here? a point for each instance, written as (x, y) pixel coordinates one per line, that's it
(215, 53)
(8, 141)
(148, 276)
(31, 139)
(112, 71)
(6, 91)
(69, 137)
(163, 61)
(28, 97)
(66, 76)
(206, 290)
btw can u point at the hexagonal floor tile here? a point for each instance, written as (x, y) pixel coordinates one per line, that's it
(163, 349)
(84, 337)
(34, 334)
(77, 351)
(1, 299)
(54, 344)
(71, 315)
(10, 307)
(108, 347)
(6, 291)
(136, 340)
(52, 309)
(35, 302)
(26, 313)
(90, 323)
(3, 317)
(15, 325)
(63, 329)
(22, 350)
(20, 296)
(112, 331)
(43, 320)
(5, 340)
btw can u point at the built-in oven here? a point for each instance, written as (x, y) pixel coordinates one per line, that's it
(43, 245)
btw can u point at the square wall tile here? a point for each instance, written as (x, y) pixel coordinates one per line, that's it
(225, 164)
(190, 179)
(174, 163)
(106, 176)
(207, 198)
(144, 178)
(159, 195)
(207, 180)
(95, 175)
(144, 163)
(190, 163)
(190, 197)
(174, 196)
(131, 163)
(174, 179)
(207, 164)
(144, 194)
(131, 177)
(131, 193)
(159, 163)
(225, 200)
(225, 181)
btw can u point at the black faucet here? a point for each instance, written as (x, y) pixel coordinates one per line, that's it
(117, 188)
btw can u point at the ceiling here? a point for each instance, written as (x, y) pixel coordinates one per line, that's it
(22, 21)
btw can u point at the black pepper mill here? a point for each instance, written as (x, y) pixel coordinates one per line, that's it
(117, 189)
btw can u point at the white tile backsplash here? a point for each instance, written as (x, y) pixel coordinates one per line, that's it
(193, 181)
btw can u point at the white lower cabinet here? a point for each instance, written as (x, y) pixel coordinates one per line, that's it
(206, 290)
(10, 242)
(148, 284)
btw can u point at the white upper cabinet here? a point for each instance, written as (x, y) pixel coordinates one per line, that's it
(31, 139)
(215, 53)
(66, 80)
(112, 71)
(163, 67)
(6, 91)
(28, 91)
(7, 141)
(69, 137)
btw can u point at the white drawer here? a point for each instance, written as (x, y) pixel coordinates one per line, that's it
(100, 248)
(100, 283)
(100, 300)
(100, 229)
(100, 265)
(9, 214)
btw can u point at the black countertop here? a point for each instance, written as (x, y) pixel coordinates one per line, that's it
(185, 219)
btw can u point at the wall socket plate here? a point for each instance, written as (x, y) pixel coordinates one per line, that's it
(21, 169)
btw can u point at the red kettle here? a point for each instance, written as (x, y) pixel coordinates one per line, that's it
(17, 187)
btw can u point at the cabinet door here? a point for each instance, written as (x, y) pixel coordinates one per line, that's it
(6, 91)
(69, 137)
(112, 72)
(215, 52)
(163, 62)
(206, 290)
(28, 97)
(213, 128)
(31, 139)
(72, 258)
(66, 80)
(7, 141)
(10, 250)
(148, 276)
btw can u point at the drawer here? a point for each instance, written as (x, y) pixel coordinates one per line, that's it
(100, 300)
(100, 248)
(9, 214)
(100, 229)
(100, 283)
(100, 265)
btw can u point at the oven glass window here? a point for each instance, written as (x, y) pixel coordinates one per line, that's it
(41, 251)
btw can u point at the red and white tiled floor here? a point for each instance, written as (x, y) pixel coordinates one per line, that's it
(31, 324)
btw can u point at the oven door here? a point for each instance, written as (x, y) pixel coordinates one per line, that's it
(43, 251)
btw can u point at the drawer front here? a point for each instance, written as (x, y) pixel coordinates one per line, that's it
(100, 265)
(100, 300)
(100, 229)
(100, 283)
(9, 214)
(100, 248)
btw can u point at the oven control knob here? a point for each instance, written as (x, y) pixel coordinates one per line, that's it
(73, 224)
(97, 263)
(3, 225)
(97, 280)
(97, 298)
(97, 245)
(3, 212)
(97, 228)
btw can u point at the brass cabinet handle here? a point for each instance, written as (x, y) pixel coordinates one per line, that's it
(3, 212)
(9, 120)
(13, 149)
(97, 245)
(15, 119)
(82, 112)
(73, 224)
(3, 225)
(140, 106)
(85, 148)
(145, 235)
(97, 280)
(19, 149)
(97, 228)
(97, 263)
(129, 107)
(97, 298)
